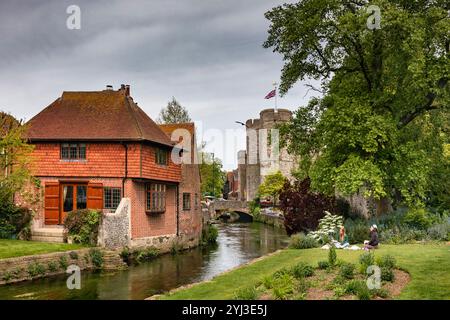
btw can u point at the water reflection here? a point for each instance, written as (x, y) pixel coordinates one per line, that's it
(237, 244)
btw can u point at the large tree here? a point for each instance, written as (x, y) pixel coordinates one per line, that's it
(14, 157)
(174, 113)
(272, 185)
(212, 175)
(381, 122)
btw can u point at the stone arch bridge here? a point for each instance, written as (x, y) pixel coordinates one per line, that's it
(219, 207)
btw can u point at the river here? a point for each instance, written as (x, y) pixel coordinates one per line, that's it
(238, 243)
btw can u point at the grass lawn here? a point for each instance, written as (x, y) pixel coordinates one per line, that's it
(428, 265)
(18, 248)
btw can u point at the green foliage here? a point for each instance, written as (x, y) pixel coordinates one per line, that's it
(35, 268)
(332, 256)
(323, 265)
(386, 261)
(358, 288)
(272, 185)
(283, 286)
(329, 227)
(249, 293)
(357, 231)
(15, 158)
(255, 208)
(125, 254)
(268, 281)
(381, 126)
(440, 231)
(63, 262)
(366, 259)
(96, 257)
(347, 270)
(302, 241)
(140, 255)
(417, 218)
(387, 274)
(15, 222)
(174, 113)
(52, 266)
(212, 176)
(73, 255)
(302, 270)
(209, 235)
(83, 225)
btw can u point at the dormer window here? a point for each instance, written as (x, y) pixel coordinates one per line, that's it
(161, 156)
(73, 151)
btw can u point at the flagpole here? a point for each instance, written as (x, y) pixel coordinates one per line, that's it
(276, 93)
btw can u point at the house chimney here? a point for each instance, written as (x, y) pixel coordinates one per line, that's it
(109, 87)
(127, 90)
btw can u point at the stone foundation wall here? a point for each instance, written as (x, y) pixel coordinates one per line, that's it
(166, 243)
(43, 265)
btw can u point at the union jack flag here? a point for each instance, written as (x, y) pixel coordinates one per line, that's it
(271, 94)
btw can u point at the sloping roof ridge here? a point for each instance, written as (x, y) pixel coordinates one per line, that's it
(130, 110)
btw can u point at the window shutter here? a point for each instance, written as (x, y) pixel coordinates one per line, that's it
(95, 196)
(51, 203)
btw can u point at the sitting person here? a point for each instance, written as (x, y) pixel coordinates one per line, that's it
(342, 241)
(373, 242)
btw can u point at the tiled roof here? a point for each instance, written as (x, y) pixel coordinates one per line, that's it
(98, 115)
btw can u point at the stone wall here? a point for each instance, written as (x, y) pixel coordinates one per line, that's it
(115, 229)
(43, 265)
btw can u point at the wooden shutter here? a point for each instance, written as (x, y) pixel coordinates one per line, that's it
(51, 202)
(95, 196)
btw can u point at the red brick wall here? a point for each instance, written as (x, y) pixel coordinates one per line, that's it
(190, 220)
(103, 160)
(151, 170)
(154, 224)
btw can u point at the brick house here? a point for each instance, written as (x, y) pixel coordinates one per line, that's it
(190, 216)
(94, 148)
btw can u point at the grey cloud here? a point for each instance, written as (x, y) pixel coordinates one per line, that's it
(206, 53)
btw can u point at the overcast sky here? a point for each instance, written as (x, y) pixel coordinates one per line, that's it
(206, 53)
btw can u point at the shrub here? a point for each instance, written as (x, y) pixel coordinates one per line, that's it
(35, 268)
(418, 218)
(303, 207)
(323, 265)
(146, 254)
(386, 261)
(73, 255)
(7, 276)
(387, 274)
(268, 282)
(302, 241)
(96, 257)
(281, 272)
(63, 262)
(302, 270)
(246, 294)
(332, 256)
(283, 286)
(358, 288)
(382, 293)
(357, 231)
(83, 225)
(52, 266)
(347, 270)
(209, 234)
(15, 222)
(439, 231)
(328, 228)
(366, 259)
(125, 254)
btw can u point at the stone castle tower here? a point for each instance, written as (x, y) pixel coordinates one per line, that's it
(260, 157)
